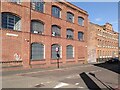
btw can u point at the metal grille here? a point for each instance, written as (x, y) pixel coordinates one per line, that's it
(37, 51)
(69, 52)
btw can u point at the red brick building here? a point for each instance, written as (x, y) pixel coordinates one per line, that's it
(102, 42)
(31, 32)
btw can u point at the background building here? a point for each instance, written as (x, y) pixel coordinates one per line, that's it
(102, 42)
(31, 32)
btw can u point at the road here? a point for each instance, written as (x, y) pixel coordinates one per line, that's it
(89, 76)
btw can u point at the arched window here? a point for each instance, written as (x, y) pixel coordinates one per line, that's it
(69, 52)
(70, 17)
(53, 51)
(37, 27)
(81, 21)
(55, 30)
(38, 6)
(80, 36)
(70, 34)
(56, 11)
(37, 51)
(10, 21)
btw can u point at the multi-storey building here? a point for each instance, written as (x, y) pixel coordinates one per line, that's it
(33, 31)
(102, 42)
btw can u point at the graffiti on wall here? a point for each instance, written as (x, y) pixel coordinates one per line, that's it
(17, 57)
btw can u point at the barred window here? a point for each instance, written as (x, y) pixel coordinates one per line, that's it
(81, 21)
(37, 27)
(69, 52)
(80, 36)
(56, 11)
(38, 6)
(70, 17)
(70, 34)
(55, 30)
(53, 51)
(37, 51)
(11, 21)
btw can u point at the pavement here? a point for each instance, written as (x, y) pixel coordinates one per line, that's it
(88, 76)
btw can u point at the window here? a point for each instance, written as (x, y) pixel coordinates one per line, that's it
(81, 21)
(15, 1)
(38, 6)
(70, 17)
(56, 11)
(55, 30)
(70, 34)
(10, 21)
(54, 53)
(69, 52)
(37, 27)
(80, 36)
(37, 51)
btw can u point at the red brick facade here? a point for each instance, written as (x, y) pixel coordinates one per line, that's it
(19, 42)
(102, 42)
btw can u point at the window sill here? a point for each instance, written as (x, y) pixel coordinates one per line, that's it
(10, 30)
(70, 22)
(56, 36)
(56, 17)
(37, 60)
(38, 11)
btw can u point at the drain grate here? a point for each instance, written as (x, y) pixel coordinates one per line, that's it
(39, 85)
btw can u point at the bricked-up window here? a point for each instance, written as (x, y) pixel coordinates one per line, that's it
(69, 52)
(37, 27)
(11, 21)
(38, 6)
(55, 30)
(80, 36)
(56, 11)
(53, 51)
(37, 51)
(81, 21)
(70, 34)
(70, 17)
(15, 1)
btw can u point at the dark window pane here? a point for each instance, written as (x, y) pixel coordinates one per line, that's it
(70, 17)
(80, 36)
(56, 12)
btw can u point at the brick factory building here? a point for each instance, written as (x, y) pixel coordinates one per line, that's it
(102, 42)
(33, 31)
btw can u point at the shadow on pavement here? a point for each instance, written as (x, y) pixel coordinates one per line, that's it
(115, 67)
(89, 82)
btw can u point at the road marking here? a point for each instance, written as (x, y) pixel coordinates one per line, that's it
(76, 83)
(80, 87)
(61, 85)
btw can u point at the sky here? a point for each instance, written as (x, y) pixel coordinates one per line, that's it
(101, 12)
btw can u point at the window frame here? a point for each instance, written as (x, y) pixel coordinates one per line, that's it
(58, 11)
(68, 18)
(82, 21)
(72, 57)
(58, 35)
(81, 39)
(71, 37)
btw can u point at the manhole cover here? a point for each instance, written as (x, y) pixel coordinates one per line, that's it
(39, 85)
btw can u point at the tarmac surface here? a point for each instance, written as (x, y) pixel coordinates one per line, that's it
(90, 76)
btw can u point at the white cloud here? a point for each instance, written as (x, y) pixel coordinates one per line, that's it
(98, 19)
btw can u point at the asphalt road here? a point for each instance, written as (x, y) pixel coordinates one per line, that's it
(92, 76)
